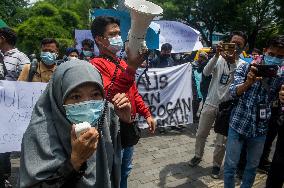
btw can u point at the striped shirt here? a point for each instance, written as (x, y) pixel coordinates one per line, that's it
(14, 61)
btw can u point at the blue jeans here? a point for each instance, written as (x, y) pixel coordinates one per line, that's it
(234, 146)
(126, 165)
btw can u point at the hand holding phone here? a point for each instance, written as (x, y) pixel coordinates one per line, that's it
(267, 71)
(229, 47)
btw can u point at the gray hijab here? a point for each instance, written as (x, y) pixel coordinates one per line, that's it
(46, 144)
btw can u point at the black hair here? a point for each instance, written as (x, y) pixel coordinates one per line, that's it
(277, 41)
(49, 41)
(241, 34)
(71, 50)
(88, 42)
(257, 51)
(100, 23)
(9, 35)
(166, 46)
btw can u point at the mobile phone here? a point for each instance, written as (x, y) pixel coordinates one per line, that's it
(229, 47)
(269, 71)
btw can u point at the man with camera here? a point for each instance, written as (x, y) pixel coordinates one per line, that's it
(255, 87)
(222, 67)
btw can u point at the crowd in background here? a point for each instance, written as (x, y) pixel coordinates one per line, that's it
(226, 87)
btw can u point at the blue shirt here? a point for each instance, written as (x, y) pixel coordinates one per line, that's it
(244, 115)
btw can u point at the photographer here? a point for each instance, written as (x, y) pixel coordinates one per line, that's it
(222, 68)
(249, 118)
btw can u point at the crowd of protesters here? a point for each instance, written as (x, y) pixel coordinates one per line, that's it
(242, 101)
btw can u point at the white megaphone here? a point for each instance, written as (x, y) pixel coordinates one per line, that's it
(142, 13)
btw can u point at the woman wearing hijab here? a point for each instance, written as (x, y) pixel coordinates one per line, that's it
(52, 155)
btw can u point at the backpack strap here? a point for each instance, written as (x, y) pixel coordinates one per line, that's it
(33, 69)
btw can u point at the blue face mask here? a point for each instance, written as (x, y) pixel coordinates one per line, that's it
(115, 44)
(87, 111)
(269, 60)
(87, 53)
(48, 58)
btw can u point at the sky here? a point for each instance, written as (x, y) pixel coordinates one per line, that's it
(32, 1)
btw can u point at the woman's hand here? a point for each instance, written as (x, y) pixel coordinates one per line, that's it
(83, 147)
(122, 107)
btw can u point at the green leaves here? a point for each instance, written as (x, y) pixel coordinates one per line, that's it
(258, 18)
(47, 21)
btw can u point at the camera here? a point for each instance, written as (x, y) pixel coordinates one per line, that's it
(268, 71)
(229, 47)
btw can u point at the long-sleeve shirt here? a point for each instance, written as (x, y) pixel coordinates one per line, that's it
(218, 92)
(244, 117)
(124, 83)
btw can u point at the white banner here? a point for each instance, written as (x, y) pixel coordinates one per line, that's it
(169, 94)
(182, 37)
(17, 100)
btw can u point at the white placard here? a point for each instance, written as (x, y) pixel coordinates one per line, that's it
(169, 95)
(182, 37)
(17, 100)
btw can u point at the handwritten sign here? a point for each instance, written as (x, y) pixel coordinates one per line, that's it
(182, 37)
(17, 100)
(168, 94)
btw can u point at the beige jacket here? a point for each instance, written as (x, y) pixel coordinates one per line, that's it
(43, 73)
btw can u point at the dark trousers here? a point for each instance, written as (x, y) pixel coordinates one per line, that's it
(275, 177)
(5, 167)
(271, 135)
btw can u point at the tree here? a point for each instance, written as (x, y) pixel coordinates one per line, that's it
(207, 16)
(81, 8)
(47, 21)
(255, 17)
(9, 10)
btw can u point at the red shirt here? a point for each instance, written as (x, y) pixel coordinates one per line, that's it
(124, 83)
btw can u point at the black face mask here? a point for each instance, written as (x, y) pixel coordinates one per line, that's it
(166, 55)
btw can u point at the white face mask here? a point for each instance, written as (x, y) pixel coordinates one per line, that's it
(115, 44)
(72, 58)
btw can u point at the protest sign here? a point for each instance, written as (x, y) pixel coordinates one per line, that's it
(169, 94)
(182, 37)
(17, 100)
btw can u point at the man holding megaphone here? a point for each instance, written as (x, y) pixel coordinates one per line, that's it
(119, 77)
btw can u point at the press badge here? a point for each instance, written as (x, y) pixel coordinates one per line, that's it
(224, 79)
(262, 112)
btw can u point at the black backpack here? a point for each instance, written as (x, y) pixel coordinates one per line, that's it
(33, 69)
(3, 70)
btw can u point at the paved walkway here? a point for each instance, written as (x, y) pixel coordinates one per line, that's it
(162, 161)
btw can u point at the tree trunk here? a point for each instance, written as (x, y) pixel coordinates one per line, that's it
(252, 39)
(210, 37)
